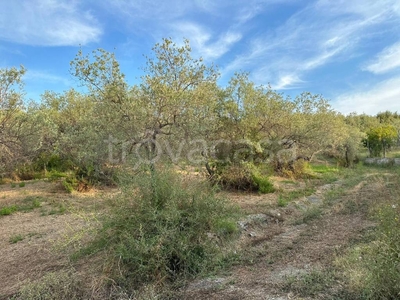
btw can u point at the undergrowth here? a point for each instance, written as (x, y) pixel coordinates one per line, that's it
(61, 285)
(163, 230)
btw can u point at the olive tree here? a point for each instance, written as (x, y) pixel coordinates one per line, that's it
(174, 101)
(11, 115)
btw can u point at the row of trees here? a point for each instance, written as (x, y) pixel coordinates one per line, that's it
(178, 112)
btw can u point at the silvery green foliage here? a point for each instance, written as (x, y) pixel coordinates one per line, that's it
(12, 116)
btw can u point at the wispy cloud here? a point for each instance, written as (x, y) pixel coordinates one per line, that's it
(288, 81)
(47, 23)
(385, 61)
(204, 42)
(384, 96)
(190, 19)
(321, 33)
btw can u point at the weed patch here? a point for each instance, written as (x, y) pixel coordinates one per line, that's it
(312, 213)
(62, 285)
(310, 284)
(8, 210)
(16, 238)
(286, 197)
(28, 204)
(372, 268)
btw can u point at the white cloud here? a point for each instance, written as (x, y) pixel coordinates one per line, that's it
(47, 23)
(202, 40)
(181, 18)
(321, 33)
(385, 61)
(384, 96)
(287, 81)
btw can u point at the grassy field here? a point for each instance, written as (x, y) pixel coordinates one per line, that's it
(332, 235)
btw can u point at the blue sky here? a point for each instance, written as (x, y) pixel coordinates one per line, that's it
(348, 51)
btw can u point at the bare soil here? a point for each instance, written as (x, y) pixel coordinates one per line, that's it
(30, 242)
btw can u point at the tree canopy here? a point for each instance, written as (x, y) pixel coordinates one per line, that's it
(177, 112)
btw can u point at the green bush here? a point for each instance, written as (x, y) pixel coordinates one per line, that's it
(291, 168)
(263, 184)
(70, 184)
(241, 176)
(51, 162)
(163, 229)
(54, 175)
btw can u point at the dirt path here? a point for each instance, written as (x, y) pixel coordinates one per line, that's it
(294, 250)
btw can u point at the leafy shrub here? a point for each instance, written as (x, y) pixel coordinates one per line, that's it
(241, 176)
(70, 184)
(291, 168)
(51, 162)
(21, 184)
(263, 184)
(55, 175)
(163, 229)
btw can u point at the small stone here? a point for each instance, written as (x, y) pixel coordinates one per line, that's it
(242, 225)
(314, 199)
(275, 214)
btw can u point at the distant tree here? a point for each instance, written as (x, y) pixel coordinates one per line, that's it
(349, 144)
(390, 118)
(363, 122)
(387, 117)
(380, 139)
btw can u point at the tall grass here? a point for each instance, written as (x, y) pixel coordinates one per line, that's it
(373, 269)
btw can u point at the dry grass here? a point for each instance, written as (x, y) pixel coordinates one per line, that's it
(42, 231)
(273, 251)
